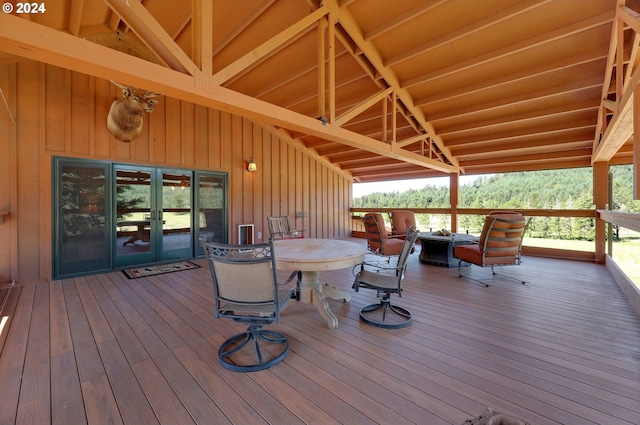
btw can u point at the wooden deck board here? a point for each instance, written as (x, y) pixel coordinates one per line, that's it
(562, 349)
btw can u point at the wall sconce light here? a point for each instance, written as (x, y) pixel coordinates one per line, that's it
(252, 165)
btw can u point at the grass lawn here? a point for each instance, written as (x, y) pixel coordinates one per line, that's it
(626, 251)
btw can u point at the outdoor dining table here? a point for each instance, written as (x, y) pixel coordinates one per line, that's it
(311, 256)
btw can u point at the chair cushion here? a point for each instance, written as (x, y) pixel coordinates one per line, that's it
(393, 246)
(468, 253)
(472, 254)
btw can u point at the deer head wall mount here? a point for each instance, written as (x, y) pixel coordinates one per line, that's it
(125, 116)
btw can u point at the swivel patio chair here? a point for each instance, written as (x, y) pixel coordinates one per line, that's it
(279, 228)
(386, 281)
(378, 240)
(247, 291)
(500, 244)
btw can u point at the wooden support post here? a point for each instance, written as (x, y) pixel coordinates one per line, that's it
(322, 106)
(385, 119)
(394, 105)
(454, 196)
(620, 61)
(202, 35)
(332, 68)
(636, 144)
(600, 199)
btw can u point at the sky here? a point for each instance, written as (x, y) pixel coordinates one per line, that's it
(361, 189)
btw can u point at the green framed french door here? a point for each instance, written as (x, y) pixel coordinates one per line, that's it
(109, 216)
(81, 201)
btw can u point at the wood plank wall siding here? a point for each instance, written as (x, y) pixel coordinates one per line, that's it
(63, 113)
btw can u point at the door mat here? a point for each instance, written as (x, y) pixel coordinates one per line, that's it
(159, 269)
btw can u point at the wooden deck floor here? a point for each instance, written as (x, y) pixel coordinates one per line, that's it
(562, 349)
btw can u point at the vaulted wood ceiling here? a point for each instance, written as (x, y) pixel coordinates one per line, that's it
(383, 89)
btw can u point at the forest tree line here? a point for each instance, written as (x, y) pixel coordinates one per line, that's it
(548, 189)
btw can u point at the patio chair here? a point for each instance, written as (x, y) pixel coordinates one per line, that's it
(500, 244)
(386, 281)
(279, 228)
(247, 291)
(378, 240)
(401, 220)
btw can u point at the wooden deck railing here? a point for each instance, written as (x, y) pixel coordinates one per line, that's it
(628, 220)
(528, 250)
(483, 211)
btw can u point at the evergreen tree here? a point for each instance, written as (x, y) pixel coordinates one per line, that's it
(560, 189)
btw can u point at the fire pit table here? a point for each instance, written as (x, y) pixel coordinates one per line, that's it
(438, 249)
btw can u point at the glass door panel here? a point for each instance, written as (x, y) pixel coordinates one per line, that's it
(211, 200)
(135, 216)
(175, 216)
(81, 213)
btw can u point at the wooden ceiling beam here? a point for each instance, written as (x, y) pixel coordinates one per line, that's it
(151, 33)
(583, 127)
(521, 98)
(122, 41)
(368, 176)
(544, 70)
(510, 50)
(413, 13)
(634, 58)
(510, 120)
(411, 140)
(336, 149)
(268, 48)
(277, 84)
(40, 43)
(584, 154)
(374, 161)
(497, 167)
(464, 31)
(362, 106)
(242, 26)
(562, 142)
(186, 21)
(310, 95)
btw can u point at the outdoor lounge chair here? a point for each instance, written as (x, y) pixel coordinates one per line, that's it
(500, 244)
(378, 240)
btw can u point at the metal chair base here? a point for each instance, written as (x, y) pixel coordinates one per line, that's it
(385, 315)
(255, 333)
(493, 272)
